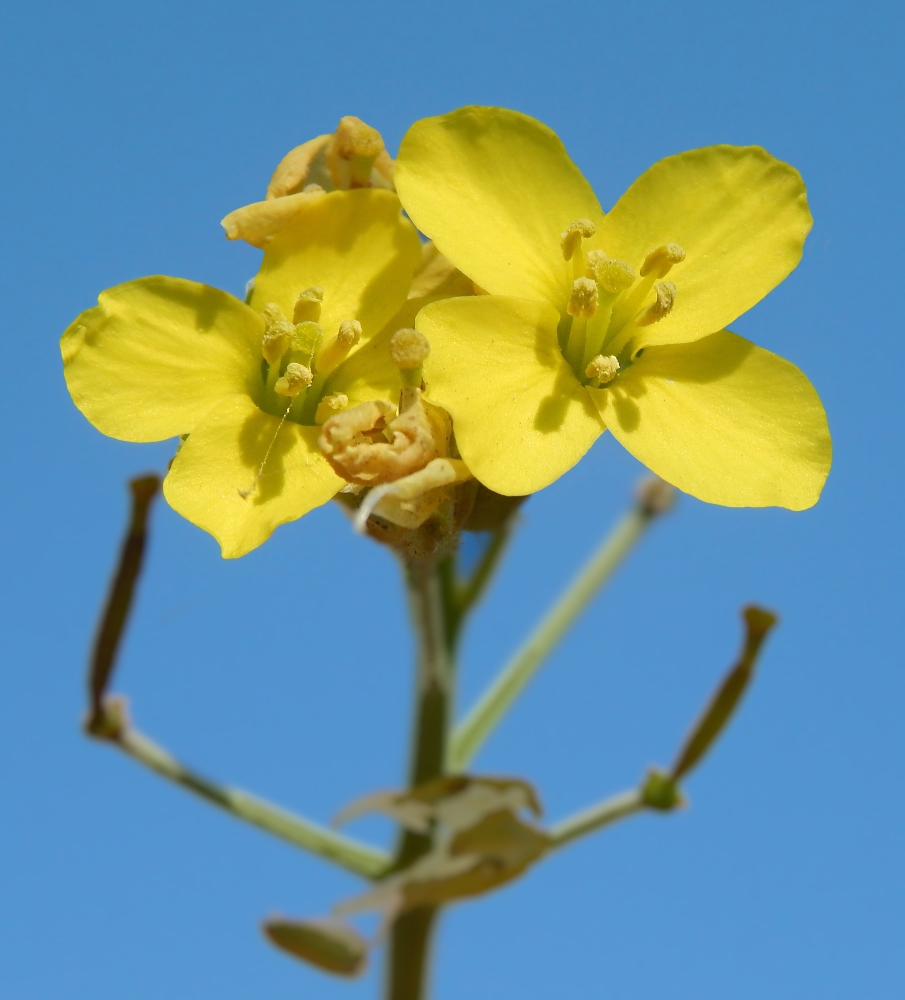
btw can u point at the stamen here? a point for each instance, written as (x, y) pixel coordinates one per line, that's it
(329, 406)
(583, 300)
(277, 339)
(308, 305)
(666, 299)
(612, 275)
(336, 350)
(312, 189)
(273, 314)
(295, 379)
(349, 333)
(603, 369)
(571, 239)
(662, 259)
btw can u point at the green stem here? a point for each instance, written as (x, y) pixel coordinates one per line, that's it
(480, 722)
(472, 590)
(596, 817)
(408, 951)
(350, 854)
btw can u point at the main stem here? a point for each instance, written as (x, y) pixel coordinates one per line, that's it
(408, 951)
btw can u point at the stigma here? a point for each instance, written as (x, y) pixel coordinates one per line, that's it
(409, 349)
(613, 275)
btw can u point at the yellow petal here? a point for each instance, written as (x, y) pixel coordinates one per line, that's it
(293, 172)
(521, 417)
(370, 373)
(156, 354)
(741, 216)
(356, 245)
(723, 420)
(222, 457)
(259, 222)
(494, 189)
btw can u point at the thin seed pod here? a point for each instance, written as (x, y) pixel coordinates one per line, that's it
(119, 602)
(758, 623)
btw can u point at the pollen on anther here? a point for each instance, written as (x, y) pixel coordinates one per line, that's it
(603, 368)
(277, 339)
(408, 349)
(583, 300)
(662, 306)
(349, 333)
(273, 314)
(662, 259)
(308, 305)
(296, 378)
(570, 240)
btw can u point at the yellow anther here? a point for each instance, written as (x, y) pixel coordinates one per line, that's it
(273, 314)
(571, 239)
(277, 339)
(602, 368)
(330, 405)
(583, 300)
(612, 275)
(662, 259)
(349, 333)
(308, 305)
(295, 379)
(666, 299)
(408, 349)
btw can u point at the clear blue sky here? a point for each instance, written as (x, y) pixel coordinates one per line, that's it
(129, 130)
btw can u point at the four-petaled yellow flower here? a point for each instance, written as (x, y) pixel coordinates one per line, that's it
(251, 384)
(581, 330)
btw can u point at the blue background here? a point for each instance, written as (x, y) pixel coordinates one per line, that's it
(129, 130)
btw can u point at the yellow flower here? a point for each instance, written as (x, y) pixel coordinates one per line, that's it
(580, 329)
(352, 157)
(249, 385)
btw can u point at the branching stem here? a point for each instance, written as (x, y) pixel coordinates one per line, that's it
(432, 607)
(480, 722)
(344, 851)
(596, 817)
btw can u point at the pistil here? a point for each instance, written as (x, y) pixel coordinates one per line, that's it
(408, 352)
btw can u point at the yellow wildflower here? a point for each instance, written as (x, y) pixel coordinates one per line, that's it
(162, 357)
(352, 157)
(581, 330)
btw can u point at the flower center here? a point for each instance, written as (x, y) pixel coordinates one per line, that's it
(299, 357)
(610, 303)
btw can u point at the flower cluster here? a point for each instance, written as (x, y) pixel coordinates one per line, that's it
(370, 363)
